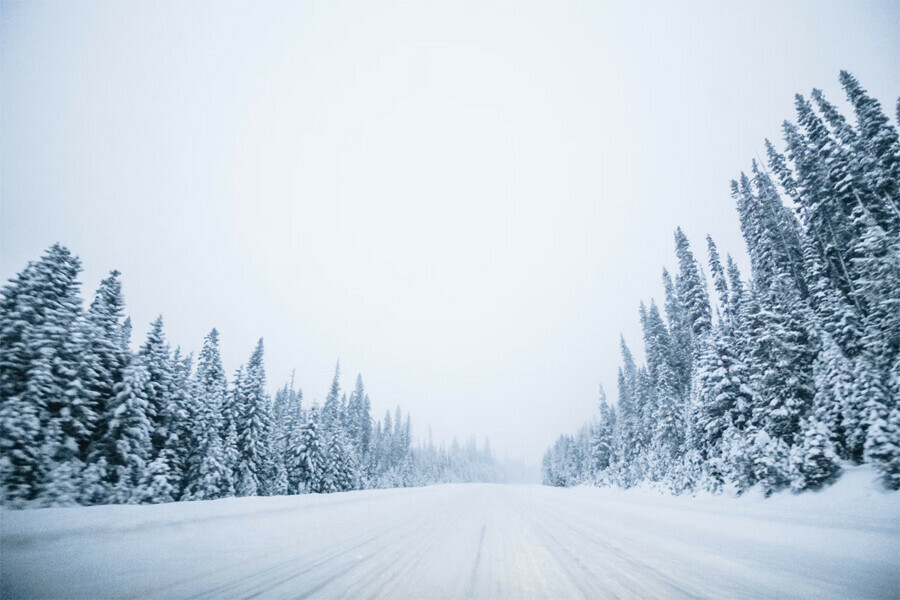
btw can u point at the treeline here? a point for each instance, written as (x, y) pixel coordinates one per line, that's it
(778, 380)
(85, 420)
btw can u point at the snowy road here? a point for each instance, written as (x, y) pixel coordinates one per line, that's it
(460, 541)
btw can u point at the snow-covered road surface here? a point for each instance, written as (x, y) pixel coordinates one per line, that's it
(461, 541)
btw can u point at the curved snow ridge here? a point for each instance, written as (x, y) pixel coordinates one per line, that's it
(836, 506)
(463, 541)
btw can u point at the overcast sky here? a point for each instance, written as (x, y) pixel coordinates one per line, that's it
(465, 202)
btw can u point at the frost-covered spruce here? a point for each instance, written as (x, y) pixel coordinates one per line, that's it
(128, 436)
(155, 356)
(340, 469)
(45, 417)
(155, 486)
(691, 288)
(836, 405)
(880, 140)
(814, 461)
(331, 412)
(883, 447)
(306, 469)
(359, 426)
(209, 475)
(602, 438)
(181, 418)
(104, 355)
(254, 429)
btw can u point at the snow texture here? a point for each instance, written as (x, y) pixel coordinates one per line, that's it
(466, 541)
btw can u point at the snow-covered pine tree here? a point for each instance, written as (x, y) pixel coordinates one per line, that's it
(876, 263)
(209, 474)
(155, 486)
(627, 442)
(666, 426)
(821, 213)
(339, 473)
(45, 417)
(331, 413)
(154, 355)
(657, 343)
(128, 436)
(183, 414)
(883, 447)
(104, 358)
(782, 355)
(285, 419)
(814, 461)
(254, 429)
(880, 139)
(680, 353)
(306, 470)
(720, 282)
(602, 441)
(836, 405)
(691, 288)
(359, 422)
(735, 293)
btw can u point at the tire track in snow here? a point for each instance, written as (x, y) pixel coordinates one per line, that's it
(454, 541)
(470, 588)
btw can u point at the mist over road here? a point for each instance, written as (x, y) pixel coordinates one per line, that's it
(458, 541)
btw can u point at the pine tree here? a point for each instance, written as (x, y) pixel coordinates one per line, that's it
(783, 352)
(128, 435)
(680, 335)
(822, 214)
(62, 484)
(881, 141)
(657, 343)
(836, 406)
(602, 438)
(45, 417)
(736, 294)
(668, 426)
(182, 415)
(154, 356)
(331, 408)
(876, 262)
(883, 447)
(771, 462)
(627, 440)
(718, 274)
(359, 421)
(814, 460)
(306, 472)
(339, 470)
(94, 488)
(691, 288)
(732, 386)
(209, 474)
(770, 231)
(155, 486)
(255, 466)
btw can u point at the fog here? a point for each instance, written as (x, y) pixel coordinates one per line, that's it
(464, 202)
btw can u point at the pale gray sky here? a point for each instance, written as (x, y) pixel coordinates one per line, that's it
(463, 201)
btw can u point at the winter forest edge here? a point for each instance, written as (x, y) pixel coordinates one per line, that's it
(775, 382)
(780, 379)
(85, 420)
